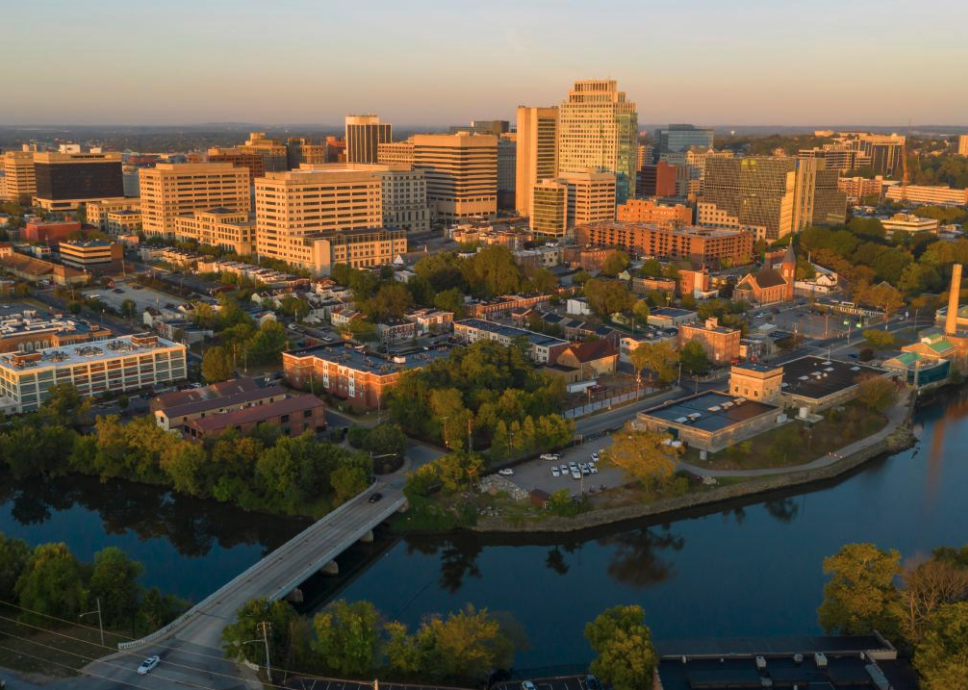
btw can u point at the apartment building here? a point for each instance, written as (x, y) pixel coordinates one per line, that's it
(591, 196)
(170, 190)
(543, 349)
(721, 343)
(291, 416)
(928, 194)
(963, 144)
(253, 161)
(19, 180)
(699, 245)
(364, 134)
(125, 363)
(652, 212)
(856, 188)
(537, 153)
(404, 201)
(225, 228)
(461, 172)
(67, 180)
(598, 130)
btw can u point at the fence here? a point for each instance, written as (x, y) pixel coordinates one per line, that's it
(606, 403)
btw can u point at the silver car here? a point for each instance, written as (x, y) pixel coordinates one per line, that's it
(148, 665)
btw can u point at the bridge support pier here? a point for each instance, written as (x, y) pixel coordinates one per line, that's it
(295, 596)
(331, 568)
(403, 508)
(367, 538)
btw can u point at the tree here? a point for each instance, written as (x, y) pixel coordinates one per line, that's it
(279, 616)
(217, 365)
(623, 642)
(467, 645)
(458, 470)
(607, 297)
(347, 481)
(114, 581)
(641, 311)
(268, 343)
(615, 263)
(876, 393)
(347, 637)
(659, 358)
(390, 302)
(694, 358)
(492, 271)
(129, 309)
(64, 405)
(401, 649)
(645, 455)
(928, 586)
(878, 338)
(451, 300)
(942, 656)
(52, 583)
(860, 596)
(386, 439)
(14, 554)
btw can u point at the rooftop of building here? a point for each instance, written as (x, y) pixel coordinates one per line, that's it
(256, 414)
(672, 312)
(17, 323)
(224, 400)
(370, 362)
(86, 244)
(817, 377)
(592, 350)
(712, 327)
(85, 353)
(757, 367)
(512, 332)
(711, 411)
(211, 391)
(692, 230)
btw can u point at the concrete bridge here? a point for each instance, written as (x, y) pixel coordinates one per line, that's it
(283, 570)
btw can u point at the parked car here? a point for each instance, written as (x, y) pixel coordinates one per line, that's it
(527, 685)
(575, 473)
(375, 497)
(563, 469)
(555, 472)
(593, 469)
(506, 472)
(594, 457)
(550, 456)
(591, 683)
(148, 665)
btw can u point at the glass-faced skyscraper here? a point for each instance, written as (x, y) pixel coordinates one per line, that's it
(676, 138)
(598, 130)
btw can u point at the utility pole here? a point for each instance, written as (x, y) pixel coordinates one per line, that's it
(470, 440)
(100, 624)
(265, 638)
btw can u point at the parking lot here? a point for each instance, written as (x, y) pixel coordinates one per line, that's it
(536, 474)
(143, 297)
(319, 684)
(557, 683)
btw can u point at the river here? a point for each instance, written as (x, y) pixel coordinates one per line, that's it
(746, 569)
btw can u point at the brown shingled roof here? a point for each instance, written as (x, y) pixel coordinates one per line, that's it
(219, 422)
(592, 350)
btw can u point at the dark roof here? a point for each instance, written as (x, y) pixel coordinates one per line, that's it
(215, 390)
(766, 278)
(256, 414)
(823, 376)
(592, 350)
(711, 421)
(229, 400)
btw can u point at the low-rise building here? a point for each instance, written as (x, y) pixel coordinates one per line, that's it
(629, 343)
(125, 363)
(590, 359)
(292, 416)
(645, 284)
(27, 331)
(928, 194)
(92, 255)
(698, 245)
(910, 223)
(543, 349)
(173, 410)
(225, 228)
(721, 343)
(359, 377)
(671, 317)
(818, 383)
(431, 320)
(756, 381)
(401, 329)
(97, 212)
(504, 304)
(711, 421)
(38, 270)
(650, 211)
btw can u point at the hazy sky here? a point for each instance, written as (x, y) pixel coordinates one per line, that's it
(430, 62)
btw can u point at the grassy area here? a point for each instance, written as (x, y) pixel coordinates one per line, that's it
(796, 443)
(56, 653)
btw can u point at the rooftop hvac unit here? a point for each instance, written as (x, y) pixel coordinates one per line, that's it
(828, 369)
(694, 416)
(727, 405)
(803, 378)
(761, 663)
(681, 420)
(820, 659)
(714, 408)
(740, 400)
(855, 368)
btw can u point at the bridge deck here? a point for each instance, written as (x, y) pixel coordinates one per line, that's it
(284, 569)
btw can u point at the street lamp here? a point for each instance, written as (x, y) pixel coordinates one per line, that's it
(100, 624)
(265, 640)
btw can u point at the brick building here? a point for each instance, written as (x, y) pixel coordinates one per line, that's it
(721, 343)
(698, 245)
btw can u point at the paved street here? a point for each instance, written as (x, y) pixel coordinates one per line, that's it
(558, 683)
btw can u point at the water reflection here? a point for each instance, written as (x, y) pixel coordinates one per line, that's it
(191, 526)
(783, 509)
(636, 555)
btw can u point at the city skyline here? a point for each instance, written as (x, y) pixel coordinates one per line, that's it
(114, 65)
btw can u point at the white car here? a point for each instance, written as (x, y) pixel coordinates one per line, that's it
(527, 685)
(148, 665)
(506, 472)
(563, 469)
(555, 472)
(593, 469)
(575, 473)
(550, 456)
(594, 457)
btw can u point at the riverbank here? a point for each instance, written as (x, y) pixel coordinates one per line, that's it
(894, 437)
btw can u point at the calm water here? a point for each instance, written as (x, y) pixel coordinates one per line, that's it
(747, 570)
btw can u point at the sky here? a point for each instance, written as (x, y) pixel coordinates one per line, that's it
(429, 62)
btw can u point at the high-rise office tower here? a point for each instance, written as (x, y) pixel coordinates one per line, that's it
(169, 190)
(883, 150)
(495, 127)
(549, 208)
(395, 153)
(253, 161)
(591, 196)
(19, 176)
(364, 134)
(461, 173)
(646, 155)
(753, 191)
(304, 151)
(598, 130)
(658, 180)
(830, 202)
(507, 155)
(537, 154)
(963, 145)
(66, 180)
(675, 138)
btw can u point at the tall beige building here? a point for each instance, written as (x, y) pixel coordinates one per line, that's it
(294, 209)
(404, 201)
(598, 130)
(225, 228)
(170, 190)
(304, 151)
(20, 176)
(963, 145)
(537, 154)
(395, 153)
(549, 208)
(755, 191)
(364, 134)
(274, 153)
(461, 173)
(591, 197)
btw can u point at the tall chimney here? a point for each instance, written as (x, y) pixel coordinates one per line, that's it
(951, 322)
